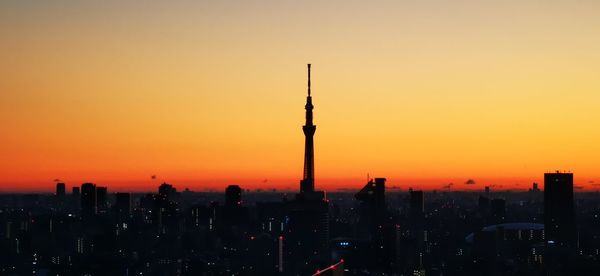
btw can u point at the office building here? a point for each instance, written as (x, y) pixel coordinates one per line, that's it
(559, 212)
(123, 204)
(101, 198)
(88, 199)
(60, 190)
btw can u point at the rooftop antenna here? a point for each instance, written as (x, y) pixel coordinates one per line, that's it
(308, 79)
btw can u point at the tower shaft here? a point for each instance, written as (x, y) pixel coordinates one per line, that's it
(308, 181)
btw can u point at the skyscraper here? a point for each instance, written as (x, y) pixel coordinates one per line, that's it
(417, 203)
(60, 190)
(307, 184)
(101, 197)
(123, 204)
(88, 199)
(373, 197)
(375, 227)
(559, 212)
(417, 228)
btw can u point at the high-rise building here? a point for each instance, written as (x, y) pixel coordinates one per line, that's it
(373, 197)
(417, 227)
(101, 197)
(88, 199)
(60, 190)
(374, 224)
(307, 184)
(233, 196)
(559, 212)
(417, 202)
(123, 204)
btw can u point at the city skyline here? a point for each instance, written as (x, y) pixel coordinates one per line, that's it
(180, 138)
(207, 95)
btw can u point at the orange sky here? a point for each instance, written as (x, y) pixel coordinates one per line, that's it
(205, 94)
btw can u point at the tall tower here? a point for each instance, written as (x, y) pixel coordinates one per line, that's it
(307, 184)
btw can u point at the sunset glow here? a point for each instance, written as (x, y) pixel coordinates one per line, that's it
(206, 94)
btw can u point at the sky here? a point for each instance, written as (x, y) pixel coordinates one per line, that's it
(203, 94)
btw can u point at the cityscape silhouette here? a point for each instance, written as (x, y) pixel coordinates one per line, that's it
(369, 231)
(176, 138)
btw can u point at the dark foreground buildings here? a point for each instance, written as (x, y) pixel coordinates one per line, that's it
(370, 232)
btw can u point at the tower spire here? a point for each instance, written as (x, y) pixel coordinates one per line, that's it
(307, 184)
(308, 79)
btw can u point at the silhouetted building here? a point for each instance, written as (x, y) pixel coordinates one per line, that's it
(233, 196)
(101, 198)
(417, 203)
(233, 213)
(60, 190)
(498, 210)
(167, 190)
(559, 213)
(163, 207)
(417, 228)
(372, 196)
(88, 199)
(123, 204)
(375, 227)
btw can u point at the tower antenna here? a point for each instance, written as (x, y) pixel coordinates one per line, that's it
(308, 79)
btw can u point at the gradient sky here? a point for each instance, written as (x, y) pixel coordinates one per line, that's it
(204, 94)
